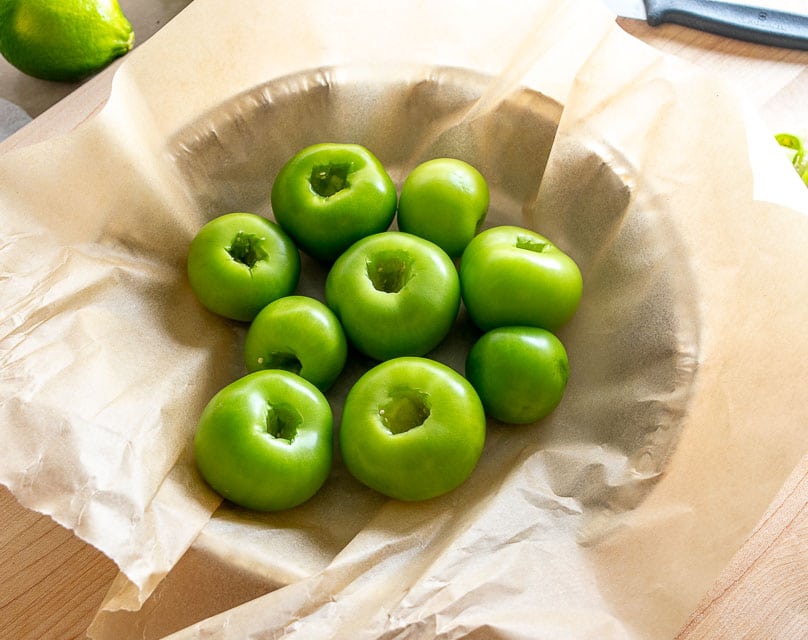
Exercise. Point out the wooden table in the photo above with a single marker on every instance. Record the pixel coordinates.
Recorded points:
(53, 583)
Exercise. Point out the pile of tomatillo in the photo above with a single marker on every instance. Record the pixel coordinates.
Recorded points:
(412, 428)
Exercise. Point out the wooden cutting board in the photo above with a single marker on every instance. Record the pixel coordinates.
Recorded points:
(53, 583)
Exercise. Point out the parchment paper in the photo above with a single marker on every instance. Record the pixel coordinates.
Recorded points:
(611, 519)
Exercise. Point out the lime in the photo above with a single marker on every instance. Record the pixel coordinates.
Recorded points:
(63, 40)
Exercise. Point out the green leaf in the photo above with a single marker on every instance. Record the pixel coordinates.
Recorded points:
(796, 153)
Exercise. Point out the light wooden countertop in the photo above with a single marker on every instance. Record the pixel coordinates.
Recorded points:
(53, 583)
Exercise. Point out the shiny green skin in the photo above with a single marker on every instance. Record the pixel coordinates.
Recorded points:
(411, 321)
(444, 200)
(511, 276)
(427, 460)
(298, 334)
(63, 40)
(520, 373)
(239, 288)
(324, 224)
(245, 463)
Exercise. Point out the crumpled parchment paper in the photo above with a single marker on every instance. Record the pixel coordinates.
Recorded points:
(610, 519)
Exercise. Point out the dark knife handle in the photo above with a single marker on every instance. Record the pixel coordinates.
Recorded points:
(753, 24)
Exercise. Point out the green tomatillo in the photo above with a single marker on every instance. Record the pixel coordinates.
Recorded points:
(512, 276)
(395, 294)
(240, 262)
(298, 334)
(444, 200)
(520, 373)
(330, 195)
(265, 441)
(412, 429)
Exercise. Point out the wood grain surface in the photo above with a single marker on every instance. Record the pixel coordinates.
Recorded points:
(51, 583)
(763, 593)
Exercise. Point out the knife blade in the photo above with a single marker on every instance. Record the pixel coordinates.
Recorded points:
(760, 25)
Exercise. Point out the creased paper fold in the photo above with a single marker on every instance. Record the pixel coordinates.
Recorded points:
(608, 520)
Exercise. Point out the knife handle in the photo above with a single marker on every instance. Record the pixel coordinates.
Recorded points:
(753, 24)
